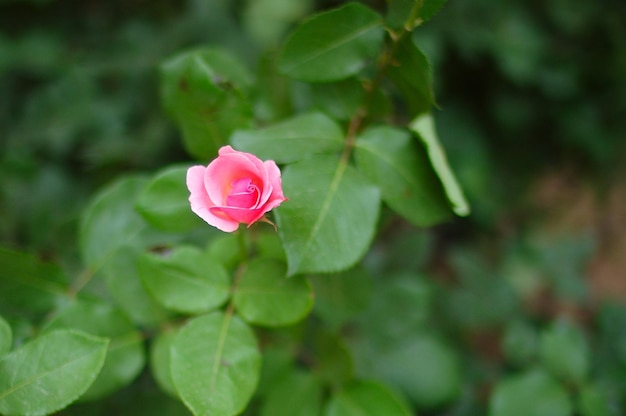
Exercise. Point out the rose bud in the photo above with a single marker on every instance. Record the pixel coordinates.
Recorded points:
(236, 187)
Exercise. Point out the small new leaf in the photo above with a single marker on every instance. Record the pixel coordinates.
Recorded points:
(424, 127)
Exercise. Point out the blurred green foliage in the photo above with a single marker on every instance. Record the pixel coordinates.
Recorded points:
(463, 319)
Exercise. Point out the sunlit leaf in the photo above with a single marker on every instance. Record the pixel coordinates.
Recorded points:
(292, 139)
(185, 279)
(401, 170)
(215, 364)
(333, 45)
(265, 296)
(330, 218)
(424, 127)
(49, 373)
(125, 355)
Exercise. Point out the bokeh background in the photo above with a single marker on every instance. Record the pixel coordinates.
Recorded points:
(532, 98)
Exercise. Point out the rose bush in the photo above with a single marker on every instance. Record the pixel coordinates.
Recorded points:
(236, 187)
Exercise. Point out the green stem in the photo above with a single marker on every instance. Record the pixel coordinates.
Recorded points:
(413, 21)
(386, 57)
(243, 250)
(243, 244)
(80, 282)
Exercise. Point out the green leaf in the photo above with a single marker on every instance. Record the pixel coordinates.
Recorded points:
(225, 247)
(297, 394)
(160, 360)
(340, 99)
(125, 355)
(215, 364)
(140, 400)
(405, 295)
(273, 90)
(278, 363)
(185, 280)
(520, 343)
(164, 203)
(430, 8)
(111, 224)
(593, 401)
(6, 337)
(342, 296)
(267, 20)
(265, 296)
(333, 45)
(411, 74)
(565, 353)
(424, 127)
(202, 91)
(389, 158)
(269, 246)
(112, 235)
(533, 393)
(333, 364)
(293, 139)
(329, 221)
(422, 367)
(29, 287)
(411, 13)
(49, 373)
(366, 398)
(124, 283)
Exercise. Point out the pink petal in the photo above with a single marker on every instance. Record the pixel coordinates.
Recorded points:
(275, 181)
(244, 194)
(201, 203)
(246, 216)
(227, 169)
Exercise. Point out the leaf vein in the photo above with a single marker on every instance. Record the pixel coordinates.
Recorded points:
(220, 348)
(332, 190)
(339, 42)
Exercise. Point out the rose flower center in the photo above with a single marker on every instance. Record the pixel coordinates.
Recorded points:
(243, 194)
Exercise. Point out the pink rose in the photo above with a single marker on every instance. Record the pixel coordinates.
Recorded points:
(237, 187)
